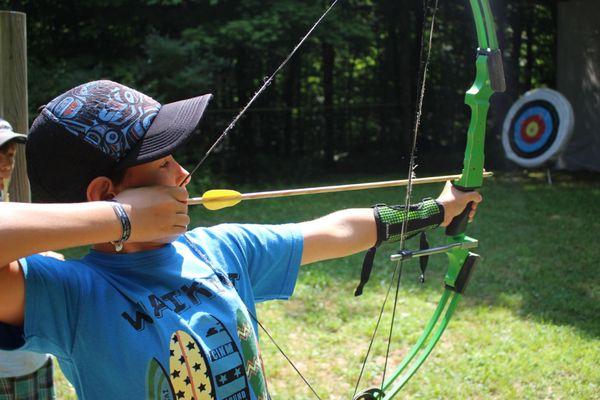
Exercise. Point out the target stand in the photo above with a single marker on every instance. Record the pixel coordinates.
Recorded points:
(537, 129)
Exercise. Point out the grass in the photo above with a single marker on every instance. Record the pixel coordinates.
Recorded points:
(528, 327)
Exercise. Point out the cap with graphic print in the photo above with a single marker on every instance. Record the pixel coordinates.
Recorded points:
(98, 129)
(7, 135)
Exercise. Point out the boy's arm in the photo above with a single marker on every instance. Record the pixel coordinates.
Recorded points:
(27, 229)
(338, 235)
(347, 232)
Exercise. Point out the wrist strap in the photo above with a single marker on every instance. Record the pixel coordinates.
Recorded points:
(125, 225)
(426, 215)
(389, 219)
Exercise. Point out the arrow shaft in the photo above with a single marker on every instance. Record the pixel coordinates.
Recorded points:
(328, 189)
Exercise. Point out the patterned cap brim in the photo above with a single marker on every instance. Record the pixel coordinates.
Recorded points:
(172, 128)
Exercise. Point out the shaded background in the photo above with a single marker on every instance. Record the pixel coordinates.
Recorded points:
(346, 101)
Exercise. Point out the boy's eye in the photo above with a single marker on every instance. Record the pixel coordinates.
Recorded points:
(164, 164)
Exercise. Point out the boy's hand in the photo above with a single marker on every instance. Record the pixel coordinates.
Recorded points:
(156, 212)
(454, 202)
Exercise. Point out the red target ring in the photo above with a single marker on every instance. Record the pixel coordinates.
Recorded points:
(532, 129)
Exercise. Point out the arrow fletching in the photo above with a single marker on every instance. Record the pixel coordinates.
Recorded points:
(218, 199)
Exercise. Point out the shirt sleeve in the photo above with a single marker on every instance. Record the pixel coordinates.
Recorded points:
(269, 255)
(53, 290)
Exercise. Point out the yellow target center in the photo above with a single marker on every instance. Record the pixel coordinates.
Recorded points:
(532, 129)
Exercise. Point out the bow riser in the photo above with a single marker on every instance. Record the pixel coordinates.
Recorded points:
(478, 99)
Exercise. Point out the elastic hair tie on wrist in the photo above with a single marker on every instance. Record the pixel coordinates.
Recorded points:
(125, 225)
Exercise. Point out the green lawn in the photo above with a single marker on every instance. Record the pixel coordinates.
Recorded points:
(528, 327)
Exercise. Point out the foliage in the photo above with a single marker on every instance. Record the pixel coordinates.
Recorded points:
(352, 87)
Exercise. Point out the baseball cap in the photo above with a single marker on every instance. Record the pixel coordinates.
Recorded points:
(98, 129)
(7, 135)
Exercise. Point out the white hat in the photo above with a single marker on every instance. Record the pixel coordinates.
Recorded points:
(7, 134)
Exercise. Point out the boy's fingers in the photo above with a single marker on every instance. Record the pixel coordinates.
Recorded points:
(472, 215)
(475, 197)
(182, 220)
(182, 208)
(180, 193)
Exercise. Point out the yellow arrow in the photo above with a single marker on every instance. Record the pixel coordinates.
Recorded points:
(222, 198)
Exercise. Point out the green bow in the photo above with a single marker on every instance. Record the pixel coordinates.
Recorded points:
(462, 262)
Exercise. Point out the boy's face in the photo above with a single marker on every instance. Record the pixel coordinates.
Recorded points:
(162, 172)
(7, 162)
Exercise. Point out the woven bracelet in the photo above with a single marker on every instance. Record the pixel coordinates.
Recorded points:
(125, 224)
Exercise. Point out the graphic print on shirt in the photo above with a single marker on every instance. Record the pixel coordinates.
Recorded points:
(198, 374)
(190, 373)
(225, 359)
(254, 366)
(158, 382)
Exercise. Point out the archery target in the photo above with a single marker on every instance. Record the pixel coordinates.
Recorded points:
(538, 127)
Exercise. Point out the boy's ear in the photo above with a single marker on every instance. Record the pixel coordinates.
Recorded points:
(101, 189)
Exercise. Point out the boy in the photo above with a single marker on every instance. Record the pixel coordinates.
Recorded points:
(137, 320)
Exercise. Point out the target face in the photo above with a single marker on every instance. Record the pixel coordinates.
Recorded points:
(537, 127)
(534, 129)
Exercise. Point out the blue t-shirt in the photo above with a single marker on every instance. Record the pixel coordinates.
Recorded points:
(172, 323)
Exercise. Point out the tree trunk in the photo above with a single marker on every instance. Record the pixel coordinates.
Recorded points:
(515, 57)
(244, 143)
(500, 103)
(553, 6)
(530, 57)
(290, 101)
(13, 96)
(328, 54)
